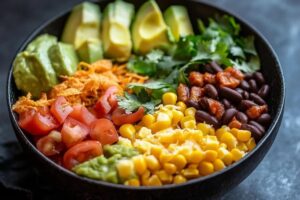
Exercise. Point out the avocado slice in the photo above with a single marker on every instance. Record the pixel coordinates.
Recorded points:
(32, 70)
(63, 59)
(90, 51)
(116, 36)
(177, 18)
(149, 29)
(82, 29)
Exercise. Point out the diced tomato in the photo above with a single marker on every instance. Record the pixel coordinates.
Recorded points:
(235, 123)
(81, 152)
(50, 144)
(82, 114)
(73, 132)
(119, 116)
(255, 111)
(104, 131)
(209, 78)
(60, 109)
(107, 102)
(231, 77)
(216, 108)
(38, 122)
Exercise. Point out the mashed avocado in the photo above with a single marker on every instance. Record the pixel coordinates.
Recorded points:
(37, 68)
(105, 167)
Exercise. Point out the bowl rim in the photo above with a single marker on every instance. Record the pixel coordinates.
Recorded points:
(275, 120)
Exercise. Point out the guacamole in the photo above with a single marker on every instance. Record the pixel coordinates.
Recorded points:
(105, 167)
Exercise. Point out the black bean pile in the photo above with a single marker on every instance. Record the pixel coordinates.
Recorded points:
(228, 97)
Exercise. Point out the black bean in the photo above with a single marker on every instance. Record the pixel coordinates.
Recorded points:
(228, 115)
(257, 99)
(264, 119)
(253, 85)
(216, 67)
(259, 78)
(226, 103)
(211, 91)
(239, 90)
(208, 68)
(203, 103)
(191, 103)
(257, 125)
(202, 116)
(245, 104)
(248, 76)
(257, 134)
(231, 94)
(263, 91)
(245, 85)
(245, 95)
(242, 117)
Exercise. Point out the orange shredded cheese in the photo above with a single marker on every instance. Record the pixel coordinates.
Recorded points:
(85, 86)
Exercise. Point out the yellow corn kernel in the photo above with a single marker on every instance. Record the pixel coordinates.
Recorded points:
(212, 143)
(132, 182)
(191, 111)
(168, 112)
(196, 156)
(186, 118)
(179, 161)
(179, 179)
(148, 120)
(156, 151)
(139, 164)
(222, 152)
(165, 157)
(181, 106)
(143, 133)
(251, 144)
(223, 145)
(127, 131)
(229, 140)
(196, 135)
(125, 142)
(138, 127)
(237, 154)
(163, 121)
(166, 137)
(218, 165)
(154, 181)
(177, 116)
(189, 124)
(164, 176)
(206, 168)
(169, 98)
(234, 131)
(152, 163)
(211, 155)
(170, 168)
(221, 131)
(145, 177)
(242, 146)
(192, 166)
(228, 158)
(190, 173)
(243, 135)
(205, 128)
(125, 169)
(186, 152)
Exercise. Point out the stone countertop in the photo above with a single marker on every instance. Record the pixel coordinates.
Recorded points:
(278, 175)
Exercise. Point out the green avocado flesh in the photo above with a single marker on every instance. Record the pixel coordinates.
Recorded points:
(63, 58)
(82, 30)
(37, 69)
(105, 167)
(149, 31)
(116, 36)
(178, 20)
(33, 71)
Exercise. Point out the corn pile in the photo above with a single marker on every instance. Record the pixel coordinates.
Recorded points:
(174, 148)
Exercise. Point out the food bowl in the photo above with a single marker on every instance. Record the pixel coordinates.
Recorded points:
(207, 187)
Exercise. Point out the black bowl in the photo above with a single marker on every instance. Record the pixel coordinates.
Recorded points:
(206, 187)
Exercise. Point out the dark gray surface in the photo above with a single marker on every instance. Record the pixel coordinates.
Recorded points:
(277, 177)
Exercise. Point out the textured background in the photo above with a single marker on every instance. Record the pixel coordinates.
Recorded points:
(278, 175)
